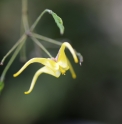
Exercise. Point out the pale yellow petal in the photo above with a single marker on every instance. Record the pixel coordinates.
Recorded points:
(61, 54)
(44, 69)
(71, 69)
(48, 62)
(62, 60)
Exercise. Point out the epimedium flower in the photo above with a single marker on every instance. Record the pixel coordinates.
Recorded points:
(53, 66)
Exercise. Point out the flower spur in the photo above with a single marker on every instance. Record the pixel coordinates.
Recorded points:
(53, 66)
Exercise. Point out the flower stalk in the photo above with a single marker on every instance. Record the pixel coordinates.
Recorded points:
(24, 14)
(11, 61)
(38, 36)
(41, 46)
(13, 48)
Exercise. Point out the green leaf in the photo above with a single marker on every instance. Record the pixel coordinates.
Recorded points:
(58, 21)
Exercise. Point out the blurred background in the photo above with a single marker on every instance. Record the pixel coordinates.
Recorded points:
(94, 28)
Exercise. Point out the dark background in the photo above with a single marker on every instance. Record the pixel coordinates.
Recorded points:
(94, 28)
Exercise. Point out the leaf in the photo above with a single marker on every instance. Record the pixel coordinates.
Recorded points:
(58, 21)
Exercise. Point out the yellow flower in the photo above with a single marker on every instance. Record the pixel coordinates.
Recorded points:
(52, 66)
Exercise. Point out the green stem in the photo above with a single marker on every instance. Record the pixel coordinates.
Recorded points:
(41, 46)
(24, 22)
(38, 19)
(21, 27)
(11, 50)
(11, 61)
(23, 50)
(38, 36)
(23, 57)
(24, 14)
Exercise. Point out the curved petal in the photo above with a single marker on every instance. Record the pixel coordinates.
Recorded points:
(47, 62)
(71, 69)
(62, 60)
(61, 54)
(44, 69)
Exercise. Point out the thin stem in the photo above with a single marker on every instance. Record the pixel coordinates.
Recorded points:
(21, 27)
(24, 14)
(11, 50)
(38, 36)
(38, 19)
(11, 61)
(1, 86)
(41, 46)
(23, 57)
(23, 49)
